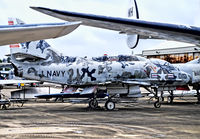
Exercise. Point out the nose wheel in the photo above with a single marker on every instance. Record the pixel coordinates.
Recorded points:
(157, 104)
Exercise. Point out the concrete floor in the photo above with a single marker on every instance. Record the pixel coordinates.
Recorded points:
(64, 120)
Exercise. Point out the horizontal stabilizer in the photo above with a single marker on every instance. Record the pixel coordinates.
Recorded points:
(31, 32)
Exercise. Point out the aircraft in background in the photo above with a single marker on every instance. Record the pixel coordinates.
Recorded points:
(175, 32)
(193, 69)
(31, 32)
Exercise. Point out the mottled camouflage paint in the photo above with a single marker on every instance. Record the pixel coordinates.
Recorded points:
(82, 71)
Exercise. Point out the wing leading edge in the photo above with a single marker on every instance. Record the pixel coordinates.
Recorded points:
(5, 82)
(188, 34)
(33, 32)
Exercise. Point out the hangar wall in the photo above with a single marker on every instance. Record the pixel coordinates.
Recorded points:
(174, 55)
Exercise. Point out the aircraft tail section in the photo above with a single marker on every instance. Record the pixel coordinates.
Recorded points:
(133, 13)
(14, 21)
(32, 49)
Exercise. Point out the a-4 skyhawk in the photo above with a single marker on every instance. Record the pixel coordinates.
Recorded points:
(38, 61)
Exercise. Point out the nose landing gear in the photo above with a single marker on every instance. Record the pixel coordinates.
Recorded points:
(157, 104)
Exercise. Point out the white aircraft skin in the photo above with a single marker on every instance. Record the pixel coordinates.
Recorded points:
(38, 61)
(53, 67)
(192, 68)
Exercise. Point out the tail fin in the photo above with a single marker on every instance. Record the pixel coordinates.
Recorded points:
(14, 21)
(36, 49)
(133, 13)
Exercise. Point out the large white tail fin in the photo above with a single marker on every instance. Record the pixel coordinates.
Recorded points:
(133, 13)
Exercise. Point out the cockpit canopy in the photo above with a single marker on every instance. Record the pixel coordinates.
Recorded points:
(119, 58)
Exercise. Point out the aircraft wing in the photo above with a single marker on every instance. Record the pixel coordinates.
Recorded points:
(188, 34)
(136, 83)
(48, 96)
(4, 82)
(31, 32)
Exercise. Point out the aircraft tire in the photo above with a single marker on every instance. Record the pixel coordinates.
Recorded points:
(93, 103)
(110, 105)
(170, 99)
(157, 104)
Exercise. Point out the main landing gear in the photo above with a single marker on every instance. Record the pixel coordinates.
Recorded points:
(170, 98)
(109, 104)
(93, 103)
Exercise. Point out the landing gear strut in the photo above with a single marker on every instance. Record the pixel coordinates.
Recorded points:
(157, 104)
(198, 96)
(196, 86)
(171, 97)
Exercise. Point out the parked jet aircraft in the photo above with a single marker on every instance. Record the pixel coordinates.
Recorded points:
(38, 61)
(188, 34)
(31, 32)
